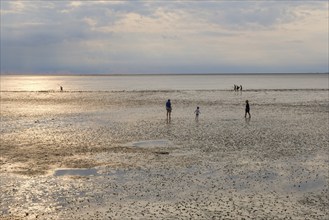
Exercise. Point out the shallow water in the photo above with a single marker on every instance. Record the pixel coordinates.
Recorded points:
(150, 143)
(76, 172)
(98, 155)
(163, 82)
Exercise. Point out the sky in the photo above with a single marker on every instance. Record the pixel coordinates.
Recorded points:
(149, 37)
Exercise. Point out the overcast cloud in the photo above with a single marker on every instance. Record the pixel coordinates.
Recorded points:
(114, 37)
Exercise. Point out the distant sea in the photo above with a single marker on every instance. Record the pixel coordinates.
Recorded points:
(163, 82)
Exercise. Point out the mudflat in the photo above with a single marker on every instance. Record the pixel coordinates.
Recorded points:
(114, 155)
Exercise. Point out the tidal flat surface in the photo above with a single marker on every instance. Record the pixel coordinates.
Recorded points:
(113, 155)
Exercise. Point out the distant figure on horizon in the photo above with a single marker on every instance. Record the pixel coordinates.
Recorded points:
(247, 109)
(168, 108)
(237, 88)
(240, 87)
(197, 113)
(61, 88)
(234, 87)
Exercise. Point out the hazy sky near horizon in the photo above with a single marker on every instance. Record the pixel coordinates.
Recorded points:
(113, 37)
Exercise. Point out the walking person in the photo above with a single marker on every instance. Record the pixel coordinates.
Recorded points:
(197, 113)
(168, 108)
(247, 109)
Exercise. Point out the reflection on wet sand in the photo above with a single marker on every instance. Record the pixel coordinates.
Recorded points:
(104, 155)
(247, 119)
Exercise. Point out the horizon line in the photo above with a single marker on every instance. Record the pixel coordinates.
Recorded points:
(156, 74)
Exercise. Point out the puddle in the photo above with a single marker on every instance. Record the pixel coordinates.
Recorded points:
(76, 172)
(151, 143)
(310, 185)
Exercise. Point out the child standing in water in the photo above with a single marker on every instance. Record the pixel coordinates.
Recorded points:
(197, 112)
(247, 109)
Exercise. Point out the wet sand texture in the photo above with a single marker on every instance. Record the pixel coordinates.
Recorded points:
(113, 155)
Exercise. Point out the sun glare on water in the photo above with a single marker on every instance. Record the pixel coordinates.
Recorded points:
(30, 83)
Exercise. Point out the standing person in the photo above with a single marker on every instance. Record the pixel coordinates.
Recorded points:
(247, 109)
(168, 108)
(197, 113)
(61, 88)
(240, 87)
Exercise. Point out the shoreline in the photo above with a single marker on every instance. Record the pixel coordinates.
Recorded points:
(172, 90)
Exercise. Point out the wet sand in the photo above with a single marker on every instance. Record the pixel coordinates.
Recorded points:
(113, 155)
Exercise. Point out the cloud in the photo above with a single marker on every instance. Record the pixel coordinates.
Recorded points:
(75, 4)
(158, 36)
(90, 21)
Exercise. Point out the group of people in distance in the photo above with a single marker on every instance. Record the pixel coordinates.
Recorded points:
(197, 112)
(237, 88)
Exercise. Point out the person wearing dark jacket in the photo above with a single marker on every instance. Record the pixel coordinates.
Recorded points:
(168, 108)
